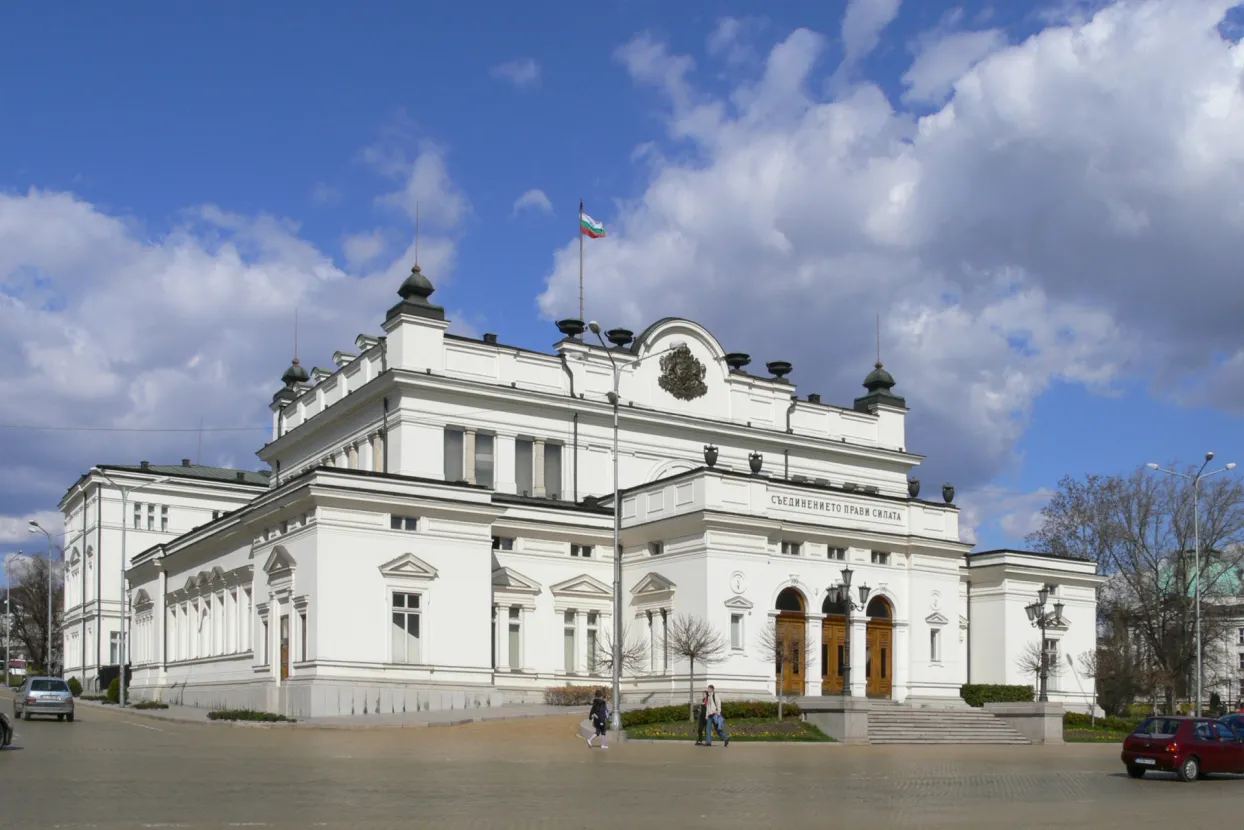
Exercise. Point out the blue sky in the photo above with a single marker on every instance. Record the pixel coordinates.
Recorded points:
(240, 132)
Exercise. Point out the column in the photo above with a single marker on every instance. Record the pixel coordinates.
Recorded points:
(161, 610)
(504, 464)
(525, 616)
(814, 668)
(580, 641)
(665, 639)
(537, 468)
(468, 441)
(503, 637)
(859, 656)
(902, 657)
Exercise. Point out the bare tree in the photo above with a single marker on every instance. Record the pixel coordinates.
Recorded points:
(696, 641)
(30, 611)
(1029, 662)
(1139, 529)
(786, 646)
(632, 657)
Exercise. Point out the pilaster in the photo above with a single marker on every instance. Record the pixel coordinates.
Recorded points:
(468, 463)
(537, 468)
(813, 669)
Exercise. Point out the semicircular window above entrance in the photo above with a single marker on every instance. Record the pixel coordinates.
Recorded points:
(790, 600)
(879, 608)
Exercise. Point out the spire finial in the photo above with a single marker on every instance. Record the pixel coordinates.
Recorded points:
(878, 339)
(295, 334)
(416, 235)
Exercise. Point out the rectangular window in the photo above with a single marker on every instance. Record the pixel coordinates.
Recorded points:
(583, 551)
(265, 640)
(502, 543)
(838, 554)
(935, 645)
(484, 460)
(881, 558)
(790, 548)
(138, 516)
(114, 648)
(1242, 660)
(524, 480)
(455, 446)
(1242, 636)
(656, 548)
(568, 643)
(516, 638)
(164, 519)
(553, 471)
(403, 523)
(405, 628)
(302, 636)
(151, 517)
(736, 632)
(591, 642)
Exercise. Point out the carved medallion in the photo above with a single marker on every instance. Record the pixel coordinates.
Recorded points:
(682, 375)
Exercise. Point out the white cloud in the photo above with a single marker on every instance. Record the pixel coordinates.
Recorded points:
(16, 530)
(533, 199)
(862, 25)
(1078, 186)
(324, 194)
(523, 73)
(364, 248)
(942, 60)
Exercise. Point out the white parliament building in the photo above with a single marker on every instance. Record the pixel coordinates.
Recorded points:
(435, 530)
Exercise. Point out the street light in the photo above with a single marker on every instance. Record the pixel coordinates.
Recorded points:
(125, 496)
(841, 594)
(614, 397)
(36, 528)
(1039, 618)
(8, 612)
(1196, 535)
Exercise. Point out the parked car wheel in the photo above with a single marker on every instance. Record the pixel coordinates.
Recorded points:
(1190, 770)
(1136, 772)
(26, 715)
(69, 717)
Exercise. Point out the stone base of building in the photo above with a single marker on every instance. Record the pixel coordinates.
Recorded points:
(845, 719)
(1041, 723)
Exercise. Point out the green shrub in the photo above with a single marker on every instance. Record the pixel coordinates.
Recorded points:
(15, 681)
(114, 690)
(730, 709)
(150, 704)
(248, 715)
(75, 688)
(978, 694)
(1079, 720)
(573, 695)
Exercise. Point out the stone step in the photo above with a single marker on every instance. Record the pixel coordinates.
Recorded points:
(930, 726)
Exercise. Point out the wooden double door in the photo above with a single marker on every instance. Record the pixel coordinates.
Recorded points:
(878, 656)
(791, 631)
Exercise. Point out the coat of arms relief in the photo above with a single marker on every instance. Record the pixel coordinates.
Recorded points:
(682, 374)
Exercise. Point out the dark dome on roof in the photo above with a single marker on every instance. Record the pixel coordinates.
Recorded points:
(416, 285)
(295, 374)
(879, 380)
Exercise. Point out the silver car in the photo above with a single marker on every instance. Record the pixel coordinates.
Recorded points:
(44, 696)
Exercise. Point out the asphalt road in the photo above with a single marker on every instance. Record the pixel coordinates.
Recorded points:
(113, 769)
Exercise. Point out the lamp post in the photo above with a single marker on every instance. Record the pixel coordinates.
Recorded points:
(8, 613)
(841, 594)
(125, 496)
(1039, 618)
(1196, 548)
(617, 527)
(36, 528)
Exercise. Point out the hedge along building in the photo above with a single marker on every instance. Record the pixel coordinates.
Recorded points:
(438, 530)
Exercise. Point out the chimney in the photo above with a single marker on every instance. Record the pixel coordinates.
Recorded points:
(144, 464)
(241, 476)
(185, 462)
(815, 397)
(490, 338)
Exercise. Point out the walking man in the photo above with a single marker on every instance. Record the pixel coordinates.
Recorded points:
(600, 719)
(716, 723)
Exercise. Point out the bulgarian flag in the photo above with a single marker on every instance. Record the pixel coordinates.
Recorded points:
(589, 226)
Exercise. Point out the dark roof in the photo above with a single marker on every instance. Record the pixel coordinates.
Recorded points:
(198, 471)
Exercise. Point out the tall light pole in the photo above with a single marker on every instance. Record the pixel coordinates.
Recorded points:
(1196, 547)
(618, 645)
(125, 496)
(842, 594)
(8, 613)
(35, 528)
(1042, 620)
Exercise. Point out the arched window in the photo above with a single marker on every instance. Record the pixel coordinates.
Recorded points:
(834, 607)
(790, 600)
(879, 608)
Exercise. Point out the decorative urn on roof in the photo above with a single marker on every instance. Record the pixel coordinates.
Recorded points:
(948, 493)
(756, 461)
(913, 487)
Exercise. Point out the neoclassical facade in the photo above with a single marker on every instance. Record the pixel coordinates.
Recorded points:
(436, 531)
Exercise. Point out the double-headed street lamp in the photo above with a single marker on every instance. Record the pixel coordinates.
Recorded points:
(36, 528)
(1196, 535)
(125, 496)
(614, 397)
(8, 611)
(1039, 618)
(840, 594)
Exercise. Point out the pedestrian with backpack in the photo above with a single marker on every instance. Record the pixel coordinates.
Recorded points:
(716, 722)
(600, 719)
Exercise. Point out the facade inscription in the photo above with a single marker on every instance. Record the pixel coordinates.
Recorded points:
(830, 507)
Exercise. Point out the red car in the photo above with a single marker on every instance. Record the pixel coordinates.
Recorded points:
(1189, 747)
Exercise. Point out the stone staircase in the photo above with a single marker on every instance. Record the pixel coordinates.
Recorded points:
(893, 724)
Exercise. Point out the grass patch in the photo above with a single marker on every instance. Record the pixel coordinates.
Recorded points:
(744, 730)
(149, 704)
(1093, 736)
(248, 715)
(98, 699)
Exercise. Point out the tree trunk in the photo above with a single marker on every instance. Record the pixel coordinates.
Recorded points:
(691, 693)
(778, 684)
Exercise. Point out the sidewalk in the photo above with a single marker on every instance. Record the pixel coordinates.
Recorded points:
(399, 720)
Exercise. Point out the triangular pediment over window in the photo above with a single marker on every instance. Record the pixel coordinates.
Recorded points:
(408, 566)
(936, 618)
(142, 598)
(740, 603)
(511, 581)
(279, 560)
(583, 586)
(653, 583)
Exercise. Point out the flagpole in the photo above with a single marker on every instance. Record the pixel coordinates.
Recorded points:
(580, 232)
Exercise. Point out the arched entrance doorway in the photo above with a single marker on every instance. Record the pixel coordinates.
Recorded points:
(791, 628)
(879, 648)
(833, 646)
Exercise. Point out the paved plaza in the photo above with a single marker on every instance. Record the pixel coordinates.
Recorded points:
(114, 769)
